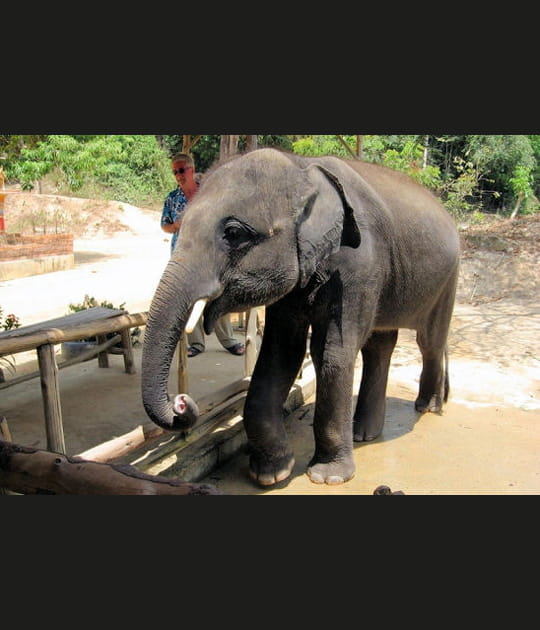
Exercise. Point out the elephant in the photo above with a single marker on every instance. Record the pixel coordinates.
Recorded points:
(341, 252)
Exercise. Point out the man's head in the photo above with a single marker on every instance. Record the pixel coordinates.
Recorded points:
(183, 169)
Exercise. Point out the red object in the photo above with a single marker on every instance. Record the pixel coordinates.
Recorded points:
(2, 224)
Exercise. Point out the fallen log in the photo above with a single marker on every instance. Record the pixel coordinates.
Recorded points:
(34, 471)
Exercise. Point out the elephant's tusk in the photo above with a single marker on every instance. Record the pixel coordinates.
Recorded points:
(196, 312)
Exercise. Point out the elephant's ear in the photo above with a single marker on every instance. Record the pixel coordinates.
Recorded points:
(326, 223)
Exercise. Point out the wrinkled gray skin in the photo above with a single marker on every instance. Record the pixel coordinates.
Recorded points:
(354, 250)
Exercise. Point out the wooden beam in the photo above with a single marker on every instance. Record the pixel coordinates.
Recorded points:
(11, 344)
(90, 353)
(123, 444)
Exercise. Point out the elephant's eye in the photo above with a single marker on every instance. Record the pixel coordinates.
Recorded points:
(238, 234)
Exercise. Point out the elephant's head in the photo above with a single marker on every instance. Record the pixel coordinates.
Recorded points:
(256, 230)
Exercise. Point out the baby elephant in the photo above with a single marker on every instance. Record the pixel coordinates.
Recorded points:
(352, 249)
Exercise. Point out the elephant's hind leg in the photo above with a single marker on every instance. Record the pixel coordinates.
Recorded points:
(371, 404)
(432, 341)
(434, 382)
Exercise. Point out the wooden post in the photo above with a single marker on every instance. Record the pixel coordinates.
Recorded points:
(103, 359)
(182, 374)
(50, 391)
(127, 347)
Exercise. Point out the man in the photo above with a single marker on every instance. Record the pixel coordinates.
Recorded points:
(183, 168)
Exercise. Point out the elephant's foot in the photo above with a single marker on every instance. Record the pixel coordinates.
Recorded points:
(270, 472)
(331, 473)
(366, 431)
(433, 404)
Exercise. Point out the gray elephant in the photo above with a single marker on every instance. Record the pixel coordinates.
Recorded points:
(352, 249)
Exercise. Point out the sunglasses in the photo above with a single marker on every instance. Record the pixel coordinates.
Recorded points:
(181, 170)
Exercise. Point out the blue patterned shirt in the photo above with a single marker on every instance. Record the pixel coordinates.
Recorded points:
(173, 209)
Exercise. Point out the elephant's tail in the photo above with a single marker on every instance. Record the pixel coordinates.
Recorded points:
(446, 375)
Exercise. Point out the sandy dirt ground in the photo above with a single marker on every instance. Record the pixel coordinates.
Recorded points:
(487, 440)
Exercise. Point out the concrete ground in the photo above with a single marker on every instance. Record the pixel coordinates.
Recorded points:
(487, 440)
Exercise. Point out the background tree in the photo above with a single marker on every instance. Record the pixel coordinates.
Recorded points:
(129, 168)
(495, 174)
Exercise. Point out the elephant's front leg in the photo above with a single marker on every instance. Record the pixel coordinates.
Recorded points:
(280, 358)
(333, 461)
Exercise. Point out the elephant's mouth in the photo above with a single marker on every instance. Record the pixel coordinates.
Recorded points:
(211, 315)
(216, 309)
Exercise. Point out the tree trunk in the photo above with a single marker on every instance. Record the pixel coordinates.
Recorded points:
(516, 208)
(228, 146)
(251, 143)
(161, 142)
(426, 151)
(360, 147)
(31, 471)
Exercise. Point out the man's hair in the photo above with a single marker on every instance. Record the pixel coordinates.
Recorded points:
(177, 157)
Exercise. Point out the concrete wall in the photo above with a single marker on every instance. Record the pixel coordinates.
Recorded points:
(22, 256)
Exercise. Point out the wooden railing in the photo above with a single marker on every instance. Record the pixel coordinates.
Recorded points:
(147, 444)
(94, 322)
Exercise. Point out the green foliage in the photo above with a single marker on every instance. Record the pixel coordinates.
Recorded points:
(503, 170)
(535, 145)
(409, 160)
(522, 186)
(496, 159)
(206, 149)
(521, 181)
(91, 302)
(458, 193)
(324, 145)
(401, 153)
(468, 172)
(129, 168)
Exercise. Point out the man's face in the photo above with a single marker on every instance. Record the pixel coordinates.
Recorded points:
(182, 172)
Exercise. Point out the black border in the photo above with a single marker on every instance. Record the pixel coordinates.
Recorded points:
(157, 104)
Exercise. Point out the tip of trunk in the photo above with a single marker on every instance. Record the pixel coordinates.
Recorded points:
(181, 415)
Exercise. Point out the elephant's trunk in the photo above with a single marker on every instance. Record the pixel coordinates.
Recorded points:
(167, 317)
